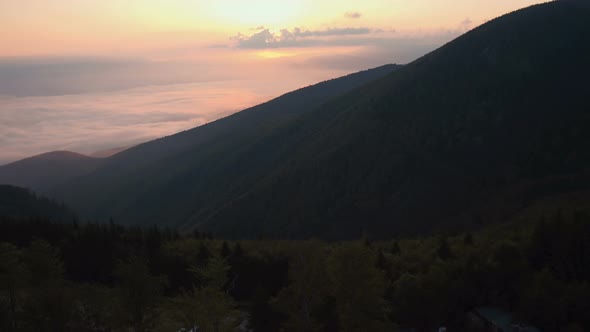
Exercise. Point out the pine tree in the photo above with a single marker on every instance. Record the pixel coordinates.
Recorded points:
(225, 250)
(444, 250)
(395, 249)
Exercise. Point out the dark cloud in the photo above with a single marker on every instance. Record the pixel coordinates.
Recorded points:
(353, 15)
(296, 37)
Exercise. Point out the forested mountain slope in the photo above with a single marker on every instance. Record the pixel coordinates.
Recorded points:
(18, 202)
(471, 133)
(165, 180)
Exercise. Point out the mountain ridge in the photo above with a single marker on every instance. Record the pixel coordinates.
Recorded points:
(167, 160)
(30, 172)
(430, 144)
(484, 123)
(41, 172)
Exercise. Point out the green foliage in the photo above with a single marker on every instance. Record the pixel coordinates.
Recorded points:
(44, 262)
(357, 288)
(214, 274)
(395, 249)
(225, 250)
(475, 132)
(543, 301)
(96, 309)
(13, 276)
(138, 294)
(207, 307)
(307, 289)
(538, 271)
(49, 303)
(468, 239)
(22, 203)
(444, 251)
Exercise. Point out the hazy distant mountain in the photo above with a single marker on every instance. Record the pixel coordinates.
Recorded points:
(474, 132)
(44, 171)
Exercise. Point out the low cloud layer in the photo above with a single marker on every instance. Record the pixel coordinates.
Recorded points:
(91, 122)
(38, 121)
(96, 103)
(353, 15)
(296, 37)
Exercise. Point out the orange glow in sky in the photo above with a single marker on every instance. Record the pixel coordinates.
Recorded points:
(90, 75)
(40, 27)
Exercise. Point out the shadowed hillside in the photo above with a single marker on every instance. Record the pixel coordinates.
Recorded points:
(20, 203)
(185, 168)
(108, 153)
(46, 170)
(468, 134)
(492, 121)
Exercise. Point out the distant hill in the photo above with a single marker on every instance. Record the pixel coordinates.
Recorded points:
(474, 132)
(20, 202)
(44, 171)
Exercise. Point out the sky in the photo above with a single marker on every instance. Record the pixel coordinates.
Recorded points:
(91, 75)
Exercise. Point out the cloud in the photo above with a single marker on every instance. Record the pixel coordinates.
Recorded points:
(94, 103)
(51, 76)
(465, 24)
(90, 122)
(353, 15)
(296, 37)
(85, 122)
(219, 45)
(332, 32)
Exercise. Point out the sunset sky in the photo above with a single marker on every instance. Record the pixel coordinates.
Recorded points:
(87, 75)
